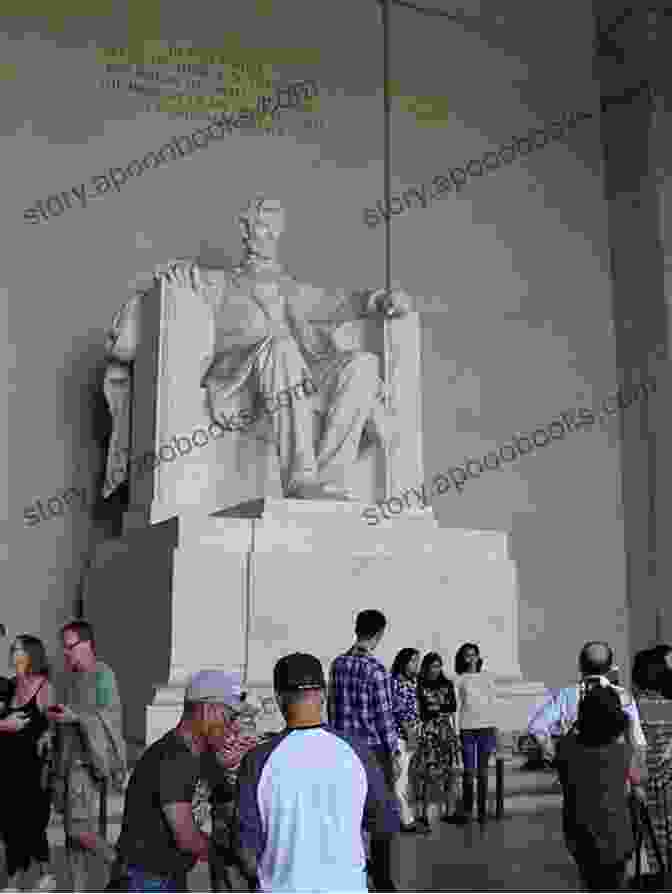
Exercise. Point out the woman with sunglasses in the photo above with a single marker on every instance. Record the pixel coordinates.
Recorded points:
(25, 802)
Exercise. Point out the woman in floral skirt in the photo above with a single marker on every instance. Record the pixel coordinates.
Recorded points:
(437, 757)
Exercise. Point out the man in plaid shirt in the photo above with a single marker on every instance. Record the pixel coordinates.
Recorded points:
(360, 704)
(360, 695)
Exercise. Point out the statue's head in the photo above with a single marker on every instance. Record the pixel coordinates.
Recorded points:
(261, 222)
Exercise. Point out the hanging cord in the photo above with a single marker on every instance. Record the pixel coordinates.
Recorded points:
(247, 604)
(387, 186)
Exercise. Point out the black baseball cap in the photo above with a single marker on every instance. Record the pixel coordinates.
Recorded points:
(298, 671)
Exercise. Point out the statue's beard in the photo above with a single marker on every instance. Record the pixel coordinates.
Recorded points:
(258, 256)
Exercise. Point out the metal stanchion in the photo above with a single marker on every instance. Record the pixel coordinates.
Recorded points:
(102, 817)
(499, 788)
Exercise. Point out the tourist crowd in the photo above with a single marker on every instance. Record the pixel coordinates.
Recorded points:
(317, 806)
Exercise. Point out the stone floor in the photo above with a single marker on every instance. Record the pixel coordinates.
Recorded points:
(523, 852)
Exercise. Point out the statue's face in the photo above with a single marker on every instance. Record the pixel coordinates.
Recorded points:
(262, 231)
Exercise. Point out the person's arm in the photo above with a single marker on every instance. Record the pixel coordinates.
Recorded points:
(459, 706)
(14, 724)
(383, 712)
(546, 721)
(247, 833)
(637, 773)
(450, 699)
(331, 697)
(187, 836)
(46, 696)
(635, 733)
(382, 820)
(398, 707)
(178, 776)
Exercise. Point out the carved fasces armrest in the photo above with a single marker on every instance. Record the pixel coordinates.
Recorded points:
(123, 337)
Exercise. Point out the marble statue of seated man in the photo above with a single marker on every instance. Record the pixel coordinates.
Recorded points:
(266, 343)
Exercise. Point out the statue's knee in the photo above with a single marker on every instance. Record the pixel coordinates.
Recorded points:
(287, 348)
(364, 365)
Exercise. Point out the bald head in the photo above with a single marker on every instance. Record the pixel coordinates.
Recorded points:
(595, 659)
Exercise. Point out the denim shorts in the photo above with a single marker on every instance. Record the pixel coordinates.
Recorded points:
(477, 746)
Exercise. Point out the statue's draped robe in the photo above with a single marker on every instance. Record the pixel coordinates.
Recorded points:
(265, 337)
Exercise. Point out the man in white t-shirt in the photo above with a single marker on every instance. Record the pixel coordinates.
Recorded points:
(306, 795)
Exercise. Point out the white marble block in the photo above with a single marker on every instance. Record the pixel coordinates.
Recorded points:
(239, 591)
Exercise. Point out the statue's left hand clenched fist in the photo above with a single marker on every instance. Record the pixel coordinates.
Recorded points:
(393, 304)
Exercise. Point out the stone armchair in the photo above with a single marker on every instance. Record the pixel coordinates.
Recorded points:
(160, 348)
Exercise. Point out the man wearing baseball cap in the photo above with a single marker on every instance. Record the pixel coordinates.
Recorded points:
(305, 795)
(160, 842)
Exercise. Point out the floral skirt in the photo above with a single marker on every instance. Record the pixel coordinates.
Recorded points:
(437, 754)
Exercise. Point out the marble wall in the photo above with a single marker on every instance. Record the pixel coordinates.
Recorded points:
(511, 273)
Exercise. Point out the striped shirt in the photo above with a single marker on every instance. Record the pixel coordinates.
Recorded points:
(360, 699)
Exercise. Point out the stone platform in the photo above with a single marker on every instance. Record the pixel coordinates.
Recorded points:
(239, 592)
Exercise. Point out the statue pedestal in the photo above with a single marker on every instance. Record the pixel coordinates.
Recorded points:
(239, 588)
(238, 593)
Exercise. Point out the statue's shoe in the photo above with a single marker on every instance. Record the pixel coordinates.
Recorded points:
(312, 490)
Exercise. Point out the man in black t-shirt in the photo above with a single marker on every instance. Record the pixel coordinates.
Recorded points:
(160, 842)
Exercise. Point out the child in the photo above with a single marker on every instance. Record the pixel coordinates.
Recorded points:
(598, 769)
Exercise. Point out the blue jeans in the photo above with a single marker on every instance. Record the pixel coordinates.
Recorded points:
(139, 880)
(477, 746)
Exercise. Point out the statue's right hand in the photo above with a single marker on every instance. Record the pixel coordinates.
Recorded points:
(183, 274)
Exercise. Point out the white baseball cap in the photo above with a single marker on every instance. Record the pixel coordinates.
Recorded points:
(216, 686)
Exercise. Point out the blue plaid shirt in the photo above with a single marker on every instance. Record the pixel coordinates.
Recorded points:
(360, 699)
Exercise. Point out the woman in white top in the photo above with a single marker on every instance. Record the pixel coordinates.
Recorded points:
(476, 722)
